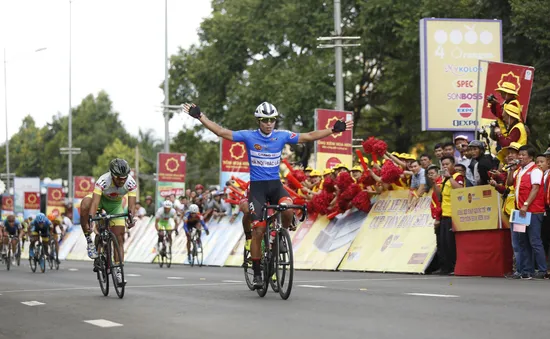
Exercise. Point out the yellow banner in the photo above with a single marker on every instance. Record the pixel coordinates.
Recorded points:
(329, 160)
(475, 208)
(320, 244)
(450, 50)
(394, 237)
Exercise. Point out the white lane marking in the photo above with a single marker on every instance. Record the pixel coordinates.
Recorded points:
(202, 279)
(32, 303)
(312, 286)
(73, 269)
(232, 281)
(432, 295)
(133, 275)
(103, 323)
(175, 278)
(375, 279)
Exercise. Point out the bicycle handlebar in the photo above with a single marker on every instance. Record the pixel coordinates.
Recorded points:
(109, 216)
(284, 207)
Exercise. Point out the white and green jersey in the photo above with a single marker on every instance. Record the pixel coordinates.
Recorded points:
(164, 218)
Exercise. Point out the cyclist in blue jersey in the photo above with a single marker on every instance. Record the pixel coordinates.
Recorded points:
(40, 227)
(264, 147)
(12, 227)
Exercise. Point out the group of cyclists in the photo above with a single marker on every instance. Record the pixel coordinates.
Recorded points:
(264, 148)
(14, 231)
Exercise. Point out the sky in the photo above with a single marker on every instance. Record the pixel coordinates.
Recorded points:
(117, 46)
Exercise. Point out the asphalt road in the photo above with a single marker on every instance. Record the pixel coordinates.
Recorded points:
(213, 302)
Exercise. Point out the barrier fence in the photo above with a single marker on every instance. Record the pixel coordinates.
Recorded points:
(389, 239)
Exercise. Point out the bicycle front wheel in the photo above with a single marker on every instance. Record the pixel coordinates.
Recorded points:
(8, 257)
(18, 254)
(50, 255)
(169, 256)
(101, 265)
(248, 273)
(116, 253)
(199, 253)
(284, 263)
(42, 259)
(193, 252)
(32, 260)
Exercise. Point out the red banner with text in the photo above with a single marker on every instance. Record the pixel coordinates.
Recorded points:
(83, 186)
(234, 157)
(171, 167)
(55, 202)
(336, 148)
(518, 79)
(32, 201)
(7, 205)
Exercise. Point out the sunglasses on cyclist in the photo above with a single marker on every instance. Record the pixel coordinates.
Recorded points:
(268, 120)
(120, 178)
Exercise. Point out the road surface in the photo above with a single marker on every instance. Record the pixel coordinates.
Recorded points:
(213, 302)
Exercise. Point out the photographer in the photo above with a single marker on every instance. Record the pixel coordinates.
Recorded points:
(508, 94)
(483, 162)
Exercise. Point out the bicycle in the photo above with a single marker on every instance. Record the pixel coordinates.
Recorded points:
(165, 252)
(196, 248)
(38, 257)
(108, 251)
(278, 256)
(52, 257)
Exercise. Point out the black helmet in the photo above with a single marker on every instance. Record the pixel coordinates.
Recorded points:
(119, 167)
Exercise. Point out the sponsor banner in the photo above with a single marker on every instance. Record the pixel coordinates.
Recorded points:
(339, 143)
(234, 158)
(450, 50)
(83, 186)
(171, 167)
(475, 208)
(20, 186)
(71, 237)
(521, 77)
(165, 189)
(55, 201)
(329, 160)
(31, 205)
(320, 244)
(141, 245)
(7, 206)
(394, 238)
(221, 241)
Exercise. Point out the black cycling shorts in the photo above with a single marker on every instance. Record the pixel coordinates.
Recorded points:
(262, 192)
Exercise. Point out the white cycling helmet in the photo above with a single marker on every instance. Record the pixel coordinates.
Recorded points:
(194, 208)
(167, 204)
(266, 110)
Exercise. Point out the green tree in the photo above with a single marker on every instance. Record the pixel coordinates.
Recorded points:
(26, 150)
(118, 150)
(203, 157)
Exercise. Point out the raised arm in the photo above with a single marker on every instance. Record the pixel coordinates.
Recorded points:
(196, 113)
(339, 127)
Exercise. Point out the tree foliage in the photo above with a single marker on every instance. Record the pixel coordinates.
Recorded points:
(242, 60)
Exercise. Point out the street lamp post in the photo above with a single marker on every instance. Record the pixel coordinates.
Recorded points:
(166, 99)
(6, 111)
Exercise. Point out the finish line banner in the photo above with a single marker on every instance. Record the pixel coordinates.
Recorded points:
(233, 161)
(336, 148)
(170, 175)
(394, 238)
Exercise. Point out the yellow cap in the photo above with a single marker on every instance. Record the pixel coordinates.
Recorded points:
(308, 169)
(327, 171)
(503, 153)
(357, 168)
(513, 111)
(508, 87)
(315, 173)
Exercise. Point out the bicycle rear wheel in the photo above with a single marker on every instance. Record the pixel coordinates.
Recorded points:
(101, 264)
(55, 257)
(115, 248)
(8, 256)
(248, 273)
(199, 252)
(284, 263)
(32, 259)
(18, 254)
(193, 251)
(160, 257)
(42, 259)
(169, 256)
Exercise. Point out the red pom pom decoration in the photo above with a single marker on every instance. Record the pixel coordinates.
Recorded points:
(390, 172)
(320, 202)
(344, 180)
(362, 202)
(300, 175)
(379, 148)
(367, 180)
(329, 185)
(368, 145)
(350, 192)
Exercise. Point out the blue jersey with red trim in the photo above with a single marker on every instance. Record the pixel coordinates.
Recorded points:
(264, 151)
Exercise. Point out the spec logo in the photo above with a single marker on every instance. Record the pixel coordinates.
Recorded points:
(464, 84)
(465, 110)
